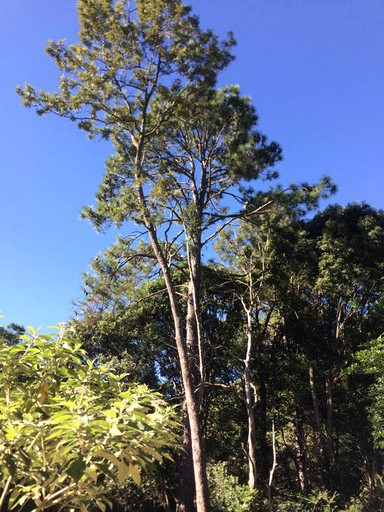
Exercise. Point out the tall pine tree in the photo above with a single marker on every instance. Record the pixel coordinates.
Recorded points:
(143, 75)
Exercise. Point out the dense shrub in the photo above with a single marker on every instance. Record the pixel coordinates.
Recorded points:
(69, 426)
(227, 494)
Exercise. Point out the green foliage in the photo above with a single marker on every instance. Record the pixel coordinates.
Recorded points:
(143, 75)
(316, 501)
(227, 494)
(350, 242)
(321, 501)
(153, 495)
(370, 361)
(69, 426)
(147, 82)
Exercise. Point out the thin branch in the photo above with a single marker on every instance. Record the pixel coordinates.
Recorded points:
(5, 492)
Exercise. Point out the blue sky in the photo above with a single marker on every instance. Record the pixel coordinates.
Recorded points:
(315, 72)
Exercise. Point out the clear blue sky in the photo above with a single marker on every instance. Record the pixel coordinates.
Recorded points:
(314, 69)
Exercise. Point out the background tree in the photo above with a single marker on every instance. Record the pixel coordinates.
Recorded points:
(296, 336)
(12, 333)
(247, 250)
(330, 293)
(186, 155)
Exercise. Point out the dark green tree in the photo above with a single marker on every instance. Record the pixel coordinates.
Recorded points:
(247, 250)
(12, 333)
(333, 266)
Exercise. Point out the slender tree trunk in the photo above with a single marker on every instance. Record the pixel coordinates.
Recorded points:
(193, 324)
(262, 418)
(191, 400)
(186, 501)
(192, 405)
(4, 495)
(370, 469)
(250, 403)
(193, 340)
(187, 479)
(319, 426)
(329, 397)
(272, 470)
(198, 456)
(315, 402)
(300, 459)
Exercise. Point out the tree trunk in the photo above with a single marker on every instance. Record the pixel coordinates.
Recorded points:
(193, 340)
(191, 400)
(329, 441)
(250, 403)
(186, 502)
(192, 405)
(262, 419)
(198, 456)
(319, 425)
(300, 459)
(187, 479)
(272, 470)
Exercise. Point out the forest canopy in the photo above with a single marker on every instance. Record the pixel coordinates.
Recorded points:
(236, 298)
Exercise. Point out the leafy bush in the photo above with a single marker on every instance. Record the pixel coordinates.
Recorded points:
(227, 494)
(69, 426)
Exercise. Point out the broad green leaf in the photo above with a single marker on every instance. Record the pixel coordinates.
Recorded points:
(42, 393)
(77, 468)
(135, 473)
